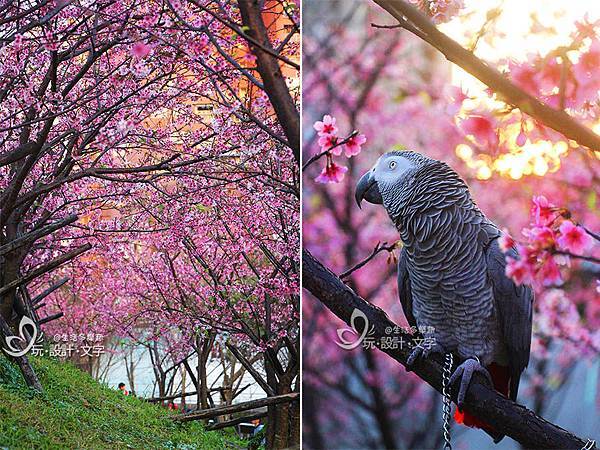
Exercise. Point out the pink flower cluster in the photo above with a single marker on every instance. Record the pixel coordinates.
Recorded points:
(140, 49)
(331, 144)
(551, 240)
(544, 75)
(483, 130)
(332, 173)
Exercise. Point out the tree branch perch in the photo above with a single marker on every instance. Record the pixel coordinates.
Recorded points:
(506, 416)
(512, 94)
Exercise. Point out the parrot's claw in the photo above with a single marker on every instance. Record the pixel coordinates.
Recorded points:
(420, 352)
(465, 372)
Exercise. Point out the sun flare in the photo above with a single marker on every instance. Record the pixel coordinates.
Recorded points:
(512, 39)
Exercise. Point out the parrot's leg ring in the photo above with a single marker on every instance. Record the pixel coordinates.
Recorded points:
(465, 372)
(422, 352)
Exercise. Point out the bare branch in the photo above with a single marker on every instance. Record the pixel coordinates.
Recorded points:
(45, 268)
(36, 234)
(378, 248)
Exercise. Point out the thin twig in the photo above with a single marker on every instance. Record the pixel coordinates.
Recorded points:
(386, 27)
(591, 233)
(378, 249)
(323, 153)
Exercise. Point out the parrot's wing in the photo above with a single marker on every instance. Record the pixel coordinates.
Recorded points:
(515, 308)
(404, 291)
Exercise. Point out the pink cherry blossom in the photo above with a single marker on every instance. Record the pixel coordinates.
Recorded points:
(519, 271)
(525, 76)
(590, 60)
(506, 242)
(327, 126)
(549, 273)
(249, 57)
(332, 173)
(541, 237)
(353, 145)
(329, 142)
(51, 43)
(140, 49)
(542, 210)
(573, 238)
(521, 138)
(440, 10)
(551, 74)
(444, 10)
(482, 129)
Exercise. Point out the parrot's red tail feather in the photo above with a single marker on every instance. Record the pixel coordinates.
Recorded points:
(470, 420)
(501, 378)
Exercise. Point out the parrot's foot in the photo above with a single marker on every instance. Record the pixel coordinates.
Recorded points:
(465, 372)
(420, 352)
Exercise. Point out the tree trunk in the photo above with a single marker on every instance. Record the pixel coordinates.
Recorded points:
(202, 384)
(203, 348)
(295, 418)
(271, 410)
(280, 430)
(183, 382)
(130, 367)
(159, 374)
(282, 425)
(271, 74)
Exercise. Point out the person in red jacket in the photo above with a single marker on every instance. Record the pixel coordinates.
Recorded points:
(122, 389)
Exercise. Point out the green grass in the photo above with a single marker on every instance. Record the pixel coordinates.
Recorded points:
(77, 412)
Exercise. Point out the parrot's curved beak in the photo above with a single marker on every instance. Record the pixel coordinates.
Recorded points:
(368, 190)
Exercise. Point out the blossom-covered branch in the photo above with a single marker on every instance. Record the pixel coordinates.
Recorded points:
(332, 145)
(556, 119)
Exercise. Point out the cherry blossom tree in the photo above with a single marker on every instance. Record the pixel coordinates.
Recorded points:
(150, 180)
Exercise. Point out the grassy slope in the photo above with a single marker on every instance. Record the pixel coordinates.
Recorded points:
(77, 412)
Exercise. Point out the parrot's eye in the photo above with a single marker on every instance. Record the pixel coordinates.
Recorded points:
(392, 165)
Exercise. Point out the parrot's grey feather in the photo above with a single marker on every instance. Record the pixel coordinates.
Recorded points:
(444, 260)
(404, 291)
(515, 310)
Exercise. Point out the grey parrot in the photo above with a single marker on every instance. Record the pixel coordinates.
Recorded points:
(451, 273)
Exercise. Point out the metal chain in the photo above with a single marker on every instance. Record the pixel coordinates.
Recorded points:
(447, 399)
(447, 405)
(590, 444)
